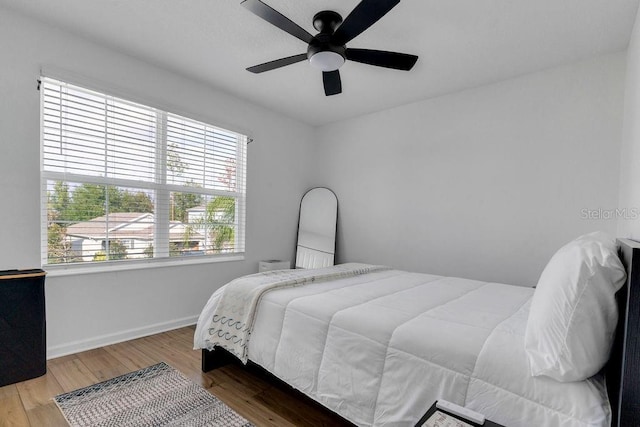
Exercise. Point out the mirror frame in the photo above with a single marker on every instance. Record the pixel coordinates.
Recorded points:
(300, 217)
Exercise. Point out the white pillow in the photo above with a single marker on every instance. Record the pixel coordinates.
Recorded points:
(573, 313)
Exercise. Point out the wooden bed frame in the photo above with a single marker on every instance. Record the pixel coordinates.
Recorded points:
(623, 370)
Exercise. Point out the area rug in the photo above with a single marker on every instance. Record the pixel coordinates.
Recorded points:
(155, 396)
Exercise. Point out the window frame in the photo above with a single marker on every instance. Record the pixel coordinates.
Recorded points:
(160, 188)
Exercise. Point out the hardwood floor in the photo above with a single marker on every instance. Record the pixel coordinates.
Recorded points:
(264, 403)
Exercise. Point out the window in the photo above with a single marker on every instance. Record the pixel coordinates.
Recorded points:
(123, 182)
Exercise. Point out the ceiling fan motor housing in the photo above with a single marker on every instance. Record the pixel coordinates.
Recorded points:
(322, 44)
(322, 53)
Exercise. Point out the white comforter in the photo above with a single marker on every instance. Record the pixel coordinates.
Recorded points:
(380, 348)
(236, 308)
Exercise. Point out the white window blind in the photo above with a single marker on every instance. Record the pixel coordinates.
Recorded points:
(123, 181)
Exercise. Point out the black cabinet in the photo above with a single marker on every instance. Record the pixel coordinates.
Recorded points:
(23, 353)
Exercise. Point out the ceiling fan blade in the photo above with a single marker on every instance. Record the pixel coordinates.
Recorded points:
(272, 65)
(276, 18)
(365, 14)
(382, 58)
(332, 82)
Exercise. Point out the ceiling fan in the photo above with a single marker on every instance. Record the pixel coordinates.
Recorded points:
(327, 50)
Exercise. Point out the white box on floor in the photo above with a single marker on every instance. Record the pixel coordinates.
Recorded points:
(273, 264)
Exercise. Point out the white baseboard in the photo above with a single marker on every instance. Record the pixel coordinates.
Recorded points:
(117, 337)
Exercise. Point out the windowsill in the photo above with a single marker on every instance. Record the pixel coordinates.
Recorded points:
(105, 267)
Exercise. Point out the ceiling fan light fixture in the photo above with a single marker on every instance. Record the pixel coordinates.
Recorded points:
(327, 60)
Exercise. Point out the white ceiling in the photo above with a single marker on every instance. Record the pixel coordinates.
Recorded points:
(461, 44)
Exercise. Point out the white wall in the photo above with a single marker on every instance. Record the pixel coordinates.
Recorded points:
(88, 310)
(630, 153)
(486, 183)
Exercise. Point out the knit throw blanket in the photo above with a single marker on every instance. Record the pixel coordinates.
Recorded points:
(233, 318)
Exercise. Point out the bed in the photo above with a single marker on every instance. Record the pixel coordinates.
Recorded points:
(379, 348)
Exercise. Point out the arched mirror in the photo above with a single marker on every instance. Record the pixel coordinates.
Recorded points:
(317, 229)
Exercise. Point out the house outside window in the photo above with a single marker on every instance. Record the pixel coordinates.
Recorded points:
(124, 182)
